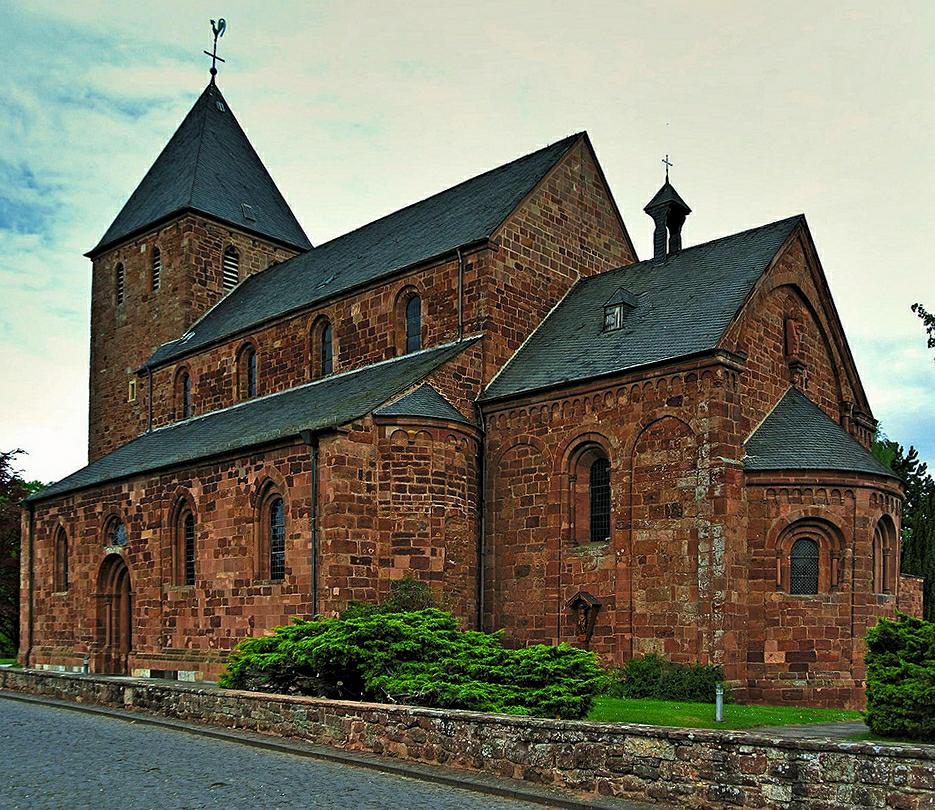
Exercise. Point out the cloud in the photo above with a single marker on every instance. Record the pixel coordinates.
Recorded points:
(359, 108)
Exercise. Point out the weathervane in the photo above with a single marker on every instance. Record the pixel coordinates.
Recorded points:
(218, 28)
(664, 160)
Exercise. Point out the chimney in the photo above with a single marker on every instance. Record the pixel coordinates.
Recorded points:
(668, 211)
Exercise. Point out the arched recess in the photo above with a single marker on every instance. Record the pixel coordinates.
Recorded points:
(794, 562)
(885, 556)
(60, 560)
(409, 320)
(270, 528)
(114, 600)
(182, 393)
(321, 348)
(587, 502)
(183, 549)
(665, 542)
(518, 549)
(247, 371)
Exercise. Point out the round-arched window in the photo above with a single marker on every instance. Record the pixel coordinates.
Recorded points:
(803, 566)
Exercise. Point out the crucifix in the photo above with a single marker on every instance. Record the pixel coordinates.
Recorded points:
(218, 28)
(664, 160)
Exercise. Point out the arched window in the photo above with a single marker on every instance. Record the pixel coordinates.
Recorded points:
(183, 395)
(326, 349)
(247, 372)
(230, 269)
(120, 282)
(599, 485)
(115, 533)
(277, 539)
(61, 560)
(589, 494)
(185, 544)
(885, 556)
(879, 561)
(413, 324)
(803, 566)
(157, 269)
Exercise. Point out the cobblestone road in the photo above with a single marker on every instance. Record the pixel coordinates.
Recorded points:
(55, 758)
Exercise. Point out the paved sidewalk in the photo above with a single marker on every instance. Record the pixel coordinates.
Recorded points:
(841, 730)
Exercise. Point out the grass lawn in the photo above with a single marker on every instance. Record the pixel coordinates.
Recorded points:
(9, 661)
(701, 715)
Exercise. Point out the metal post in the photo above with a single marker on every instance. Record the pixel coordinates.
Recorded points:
(719, 703)
(86, 664)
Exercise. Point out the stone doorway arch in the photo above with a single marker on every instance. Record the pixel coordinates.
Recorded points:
(114, 616)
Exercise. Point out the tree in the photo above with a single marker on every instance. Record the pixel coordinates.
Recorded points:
(13, 489)
(928, 319)
(918, 535)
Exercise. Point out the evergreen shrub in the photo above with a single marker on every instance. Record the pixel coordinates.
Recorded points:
(653, 677)
(417, 657)
(900, 662)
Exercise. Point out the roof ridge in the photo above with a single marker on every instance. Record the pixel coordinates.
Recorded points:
(691, 248)
(466, 341)
(769, 413)
(467, 180)
(201, 140)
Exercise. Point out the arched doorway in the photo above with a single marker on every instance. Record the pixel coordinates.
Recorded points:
(114, 616)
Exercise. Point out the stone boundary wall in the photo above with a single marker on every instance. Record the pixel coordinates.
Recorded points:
(694, 768)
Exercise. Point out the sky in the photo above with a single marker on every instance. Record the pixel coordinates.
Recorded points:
(359, 108)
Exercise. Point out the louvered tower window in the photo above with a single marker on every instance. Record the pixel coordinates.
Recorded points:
(600, 500)
(157, 268)
(803, 566)
(230, 269)
(120, 282)
(277, 539)
(188, 529)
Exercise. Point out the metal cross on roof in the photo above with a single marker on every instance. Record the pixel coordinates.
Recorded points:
(218, 28)
(668, 164)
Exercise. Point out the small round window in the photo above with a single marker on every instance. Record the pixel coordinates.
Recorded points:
(116, 533)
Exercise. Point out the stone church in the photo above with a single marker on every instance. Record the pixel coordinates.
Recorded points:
(486, 390)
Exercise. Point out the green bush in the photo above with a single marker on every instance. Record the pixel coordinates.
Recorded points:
(653, 677)
(406, 594)
(901, 678)
(420, 657)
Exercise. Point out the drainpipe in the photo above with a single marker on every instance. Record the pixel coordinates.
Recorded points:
(30, 550)
(482, 509)
(149, 427)
(311, 439)
(460, 295)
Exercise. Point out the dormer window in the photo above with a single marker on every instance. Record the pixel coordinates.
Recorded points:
(613, 317)
(616, 308)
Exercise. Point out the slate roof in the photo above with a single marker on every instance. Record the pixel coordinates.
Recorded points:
(684, 304)
(667, 194)
(210, 167)
(463, 215)
(423, 401)
(798, 435)
(316, 406)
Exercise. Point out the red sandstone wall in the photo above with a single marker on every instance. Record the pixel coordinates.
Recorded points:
(809, 648)
(671, 576)
(174, 627)
(788, 289)
(910, 594)
(123, 336)
(566, 229)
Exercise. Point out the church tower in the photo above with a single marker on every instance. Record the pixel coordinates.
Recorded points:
(205, 216)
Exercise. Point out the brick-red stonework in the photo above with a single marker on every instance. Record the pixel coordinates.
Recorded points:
(494, 516)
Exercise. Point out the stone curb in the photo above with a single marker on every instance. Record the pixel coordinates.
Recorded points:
(477, 783)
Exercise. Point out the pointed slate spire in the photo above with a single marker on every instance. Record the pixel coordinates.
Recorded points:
(208, 167)
(668, 211)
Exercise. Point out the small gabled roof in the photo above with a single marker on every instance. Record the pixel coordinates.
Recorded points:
(460, 216)
(317, 406)
(210, 167)
(684, 304)
(798, 435)
(426, 402)
(667, 195)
